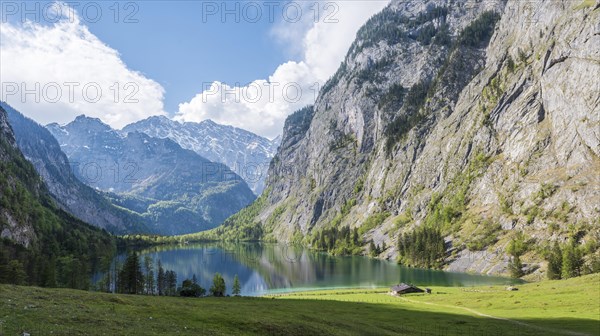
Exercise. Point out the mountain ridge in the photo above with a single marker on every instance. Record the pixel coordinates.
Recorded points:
(242, 151)
(175, 189)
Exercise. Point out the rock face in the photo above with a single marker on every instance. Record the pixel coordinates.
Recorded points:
(244, 152)
(44, 152)
(175, 189)
(478, 118)
(14, 225)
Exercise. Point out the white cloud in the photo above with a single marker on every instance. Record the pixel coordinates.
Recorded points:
(323, 46)
(54, 55)
(260, 106)
(42, 56)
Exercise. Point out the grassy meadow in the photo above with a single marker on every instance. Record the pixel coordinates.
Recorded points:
(567, 307)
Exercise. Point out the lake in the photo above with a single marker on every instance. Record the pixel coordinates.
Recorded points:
(275, 268)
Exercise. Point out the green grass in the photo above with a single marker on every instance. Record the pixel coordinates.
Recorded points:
(568, 307)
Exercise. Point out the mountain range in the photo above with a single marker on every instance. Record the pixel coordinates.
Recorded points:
(176, 190)
(129, 181)
(244, 152)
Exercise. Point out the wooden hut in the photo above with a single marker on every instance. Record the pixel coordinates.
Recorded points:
(405, 289)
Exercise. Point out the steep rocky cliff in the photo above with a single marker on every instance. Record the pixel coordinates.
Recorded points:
(477, 119)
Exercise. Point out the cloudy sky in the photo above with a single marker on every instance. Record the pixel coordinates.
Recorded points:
(247, 64)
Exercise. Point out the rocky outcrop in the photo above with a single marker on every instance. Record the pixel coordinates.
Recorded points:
(480, 119)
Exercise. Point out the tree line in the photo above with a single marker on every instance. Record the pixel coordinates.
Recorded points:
(564, 260)
(567, 261)
(423, 247)
(344, 241)
(137, 276)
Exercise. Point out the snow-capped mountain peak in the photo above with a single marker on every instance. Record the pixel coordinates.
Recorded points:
(246, 153)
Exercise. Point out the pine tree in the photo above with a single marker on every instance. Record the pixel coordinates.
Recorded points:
(104, 284)
(594, 264)
(160, 279)
(16, 273)
(218, 288)
(516, 267)
(372, 249)
(355, 237)
(554, 259)
(171, 283)
(237, 288)
(131, 277)
(148, 266)
(150, 285)
(116, 280)
(49, 273)
(572, 260)
(3, 265)
(322, 243)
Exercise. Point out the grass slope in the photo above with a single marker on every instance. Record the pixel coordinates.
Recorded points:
(569, 307)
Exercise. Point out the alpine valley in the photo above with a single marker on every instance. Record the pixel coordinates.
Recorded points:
(446, 179)
(44, 152)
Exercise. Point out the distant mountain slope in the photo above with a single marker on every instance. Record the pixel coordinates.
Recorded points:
(244, 152)
(175, 189)
(43, 151)
(41, 244)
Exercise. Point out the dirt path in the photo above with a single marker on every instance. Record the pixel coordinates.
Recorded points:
(472, 311)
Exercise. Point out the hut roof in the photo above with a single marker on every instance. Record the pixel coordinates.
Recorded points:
(404, 287)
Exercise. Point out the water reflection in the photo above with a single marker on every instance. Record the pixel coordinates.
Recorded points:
(268, 268)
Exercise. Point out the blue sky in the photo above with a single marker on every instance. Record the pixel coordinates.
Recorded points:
(182, 59)
(173, 45)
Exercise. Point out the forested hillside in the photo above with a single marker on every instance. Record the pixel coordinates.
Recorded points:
(40, 243)
(72, 195)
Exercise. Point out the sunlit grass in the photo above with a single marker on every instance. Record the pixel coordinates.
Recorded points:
(546, 308)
